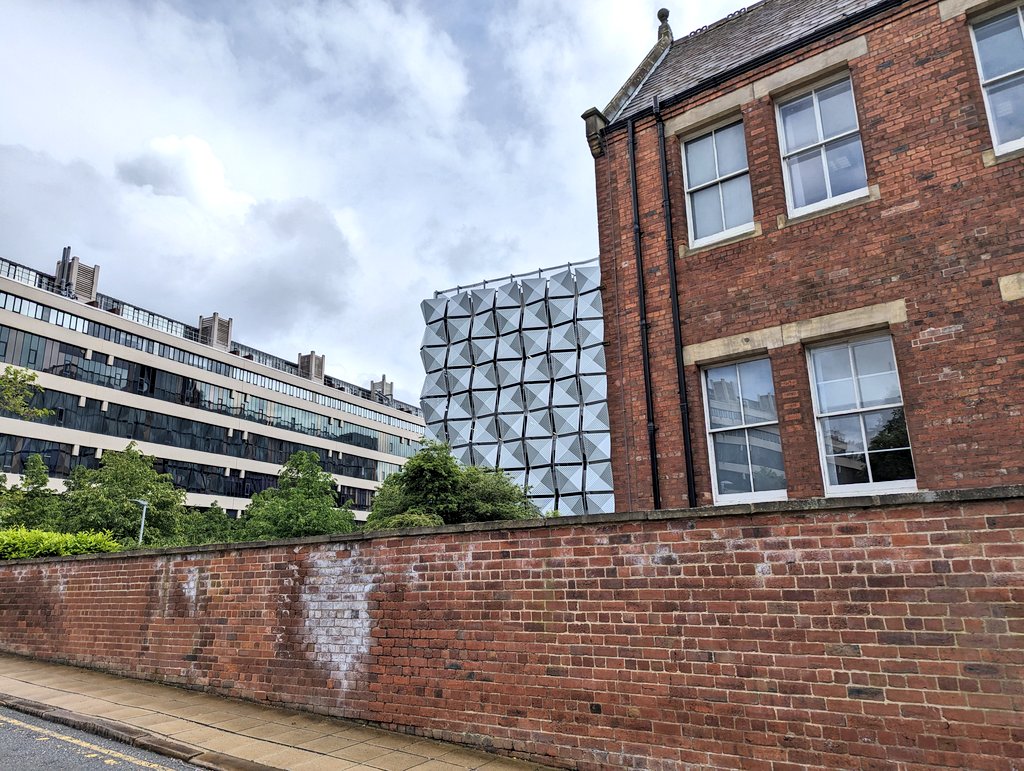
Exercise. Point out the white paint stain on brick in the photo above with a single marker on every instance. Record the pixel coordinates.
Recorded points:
(335, 613)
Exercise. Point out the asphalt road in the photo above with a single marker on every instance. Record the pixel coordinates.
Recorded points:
(31, 744)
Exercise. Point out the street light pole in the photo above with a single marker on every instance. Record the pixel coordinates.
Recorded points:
(142, 525)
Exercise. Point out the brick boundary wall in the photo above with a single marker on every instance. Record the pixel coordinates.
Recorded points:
(869, 633)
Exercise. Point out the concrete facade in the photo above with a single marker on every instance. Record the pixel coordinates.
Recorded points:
(221, 419)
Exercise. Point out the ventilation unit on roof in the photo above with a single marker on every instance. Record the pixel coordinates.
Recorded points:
(75, 280)
(215, 331)
(311, 366)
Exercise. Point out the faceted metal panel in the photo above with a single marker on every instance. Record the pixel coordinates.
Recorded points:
(589, 332)
(508, 295)
(460, 354)
(459, 379)
(535, 316)
(509, 319)
(433, 358)
(534, 289)
(560, 309)
(460, 305)
(588, 279)
(435, 384)
(485, 454)
(563, 338)
(434, 309)
(563, 364)
(516, 379)
(435, 334)
(562, 284)
(485, 377)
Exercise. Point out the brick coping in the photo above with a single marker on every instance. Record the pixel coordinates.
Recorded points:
(798, 506)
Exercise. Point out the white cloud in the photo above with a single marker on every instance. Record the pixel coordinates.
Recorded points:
(311, 169)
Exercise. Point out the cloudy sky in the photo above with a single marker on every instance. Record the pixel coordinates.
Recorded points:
(311, 169)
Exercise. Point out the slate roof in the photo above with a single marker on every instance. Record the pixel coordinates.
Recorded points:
(739, 38)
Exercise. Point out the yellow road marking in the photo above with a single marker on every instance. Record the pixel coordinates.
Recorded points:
(97, 750)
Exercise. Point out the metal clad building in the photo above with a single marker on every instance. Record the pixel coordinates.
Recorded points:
(515, 379)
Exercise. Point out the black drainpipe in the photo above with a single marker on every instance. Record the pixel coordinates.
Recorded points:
(677, 330)
(644, 326)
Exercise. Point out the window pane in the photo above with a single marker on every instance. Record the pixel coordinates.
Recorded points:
(707, 212)
(758, 391)
(831, 363)
(765, 449)
(1000, 45)
(842, 435)
(731, 467)
(1007, 103)
(732, 152)
(739, 209)
(846, 165)
(876, 390)
(700, 161)
(886, 430)
(847, 470)
(874, 356)
(799, 127)
(892, 465)
(723, 397)
(837, 395)
(807, 176)
(835, 105)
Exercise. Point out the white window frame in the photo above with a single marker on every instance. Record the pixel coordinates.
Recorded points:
(865, 488)
(826, 203)
(724, 499)
(1017, 144)
(724, 235)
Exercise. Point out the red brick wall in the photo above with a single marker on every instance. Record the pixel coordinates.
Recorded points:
(943, 231)
(866, 637)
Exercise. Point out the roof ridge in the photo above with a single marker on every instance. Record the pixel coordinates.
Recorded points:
(722, 22)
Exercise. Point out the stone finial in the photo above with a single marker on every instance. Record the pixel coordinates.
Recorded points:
(664, 30)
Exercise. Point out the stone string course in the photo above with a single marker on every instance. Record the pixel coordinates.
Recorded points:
(868, 635)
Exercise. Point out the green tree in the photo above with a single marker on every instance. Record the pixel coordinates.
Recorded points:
(433, 489)
(17, 389)
(211, 525)
(303, 503)
(105, 498)
(32, 504)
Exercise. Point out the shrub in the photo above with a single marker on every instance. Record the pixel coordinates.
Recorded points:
(20, 543)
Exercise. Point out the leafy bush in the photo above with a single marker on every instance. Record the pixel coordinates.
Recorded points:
(411, 518)
(20, 543)
(433, 483)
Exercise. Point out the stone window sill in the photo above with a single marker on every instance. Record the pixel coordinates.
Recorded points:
(685, 251)
(989, 157)
(873, 194)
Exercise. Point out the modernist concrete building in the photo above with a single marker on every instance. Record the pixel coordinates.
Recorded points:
(515, 379)
(219, 416)
(811, 230)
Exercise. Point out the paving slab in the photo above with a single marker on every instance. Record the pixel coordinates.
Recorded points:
(220, 733)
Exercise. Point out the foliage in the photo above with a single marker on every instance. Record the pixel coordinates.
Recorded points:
(106, 498)
(432, 484)
(212, 525)
(303, 503)
(32, 504)
(410, 518)
(21, 543)
(17, 387)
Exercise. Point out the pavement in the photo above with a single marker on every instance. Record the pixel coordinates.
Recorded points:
(220, 733)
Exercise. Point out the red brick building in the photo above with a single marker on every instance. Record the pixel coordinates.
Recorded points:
(811, 227)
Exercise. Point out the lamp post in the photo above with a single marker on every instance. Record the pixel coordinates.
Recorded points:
(142, 525)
